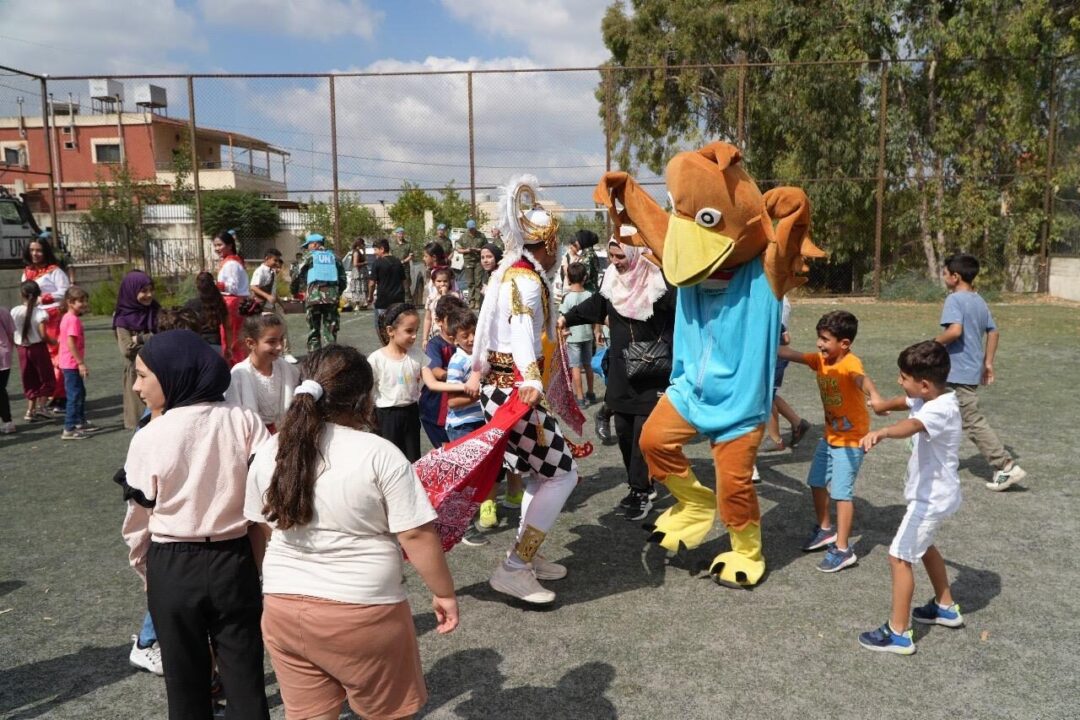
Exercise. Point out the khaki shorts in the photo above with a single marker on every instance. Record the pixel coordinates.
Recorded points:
(325, 651)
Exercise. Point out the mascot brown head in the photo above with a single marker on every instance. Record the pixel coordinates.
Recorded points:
(718, 221)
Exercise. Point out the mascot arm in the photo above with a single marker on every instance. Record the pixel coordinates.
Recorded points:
(785, 264)
(628, 203)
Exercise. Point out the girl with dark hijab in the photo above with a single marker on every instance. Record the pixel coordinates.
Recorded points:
(186, 474)
(134, 320)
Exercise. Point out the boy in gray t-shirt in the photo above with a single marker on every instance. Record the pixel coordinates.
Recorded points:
(966, 319)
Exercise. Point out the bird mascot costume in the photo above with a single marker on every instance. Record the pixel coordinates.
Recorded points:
(732, 253)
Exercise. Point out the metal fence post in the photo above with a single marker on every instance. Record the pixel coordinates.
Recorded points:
(334, 161)
(472, 146)
(195, 171)
(50, 148)
(1048, 191)
(740, 121)
(879, 213)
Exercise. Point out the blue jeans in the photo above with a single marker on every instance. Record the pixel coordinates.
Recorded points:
(459, 431)
(76, 399)
(147, 634)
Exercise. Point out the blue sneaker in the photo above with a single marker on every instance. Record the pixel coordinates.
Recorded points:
(819, 538)
(885, 640)
(836, 559)
(933, 614)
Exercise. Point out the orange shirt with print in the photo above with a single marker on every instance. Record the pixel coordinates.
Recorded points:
(846, 418)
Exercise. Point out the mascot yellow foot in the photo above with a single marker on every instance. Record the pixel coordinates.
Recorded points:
(744, 564)
(689, 520)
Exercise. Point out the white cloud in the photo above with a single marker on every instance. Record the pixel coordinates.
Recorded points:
(415, 127)
(64, 37)
(556, 33)
(305, 18)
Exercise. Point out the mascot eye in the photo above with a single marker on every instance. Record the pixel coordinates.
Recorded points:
(707, 217)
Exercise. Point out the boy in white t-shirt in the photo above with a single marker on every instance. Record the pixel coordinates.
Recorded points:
(932, 491)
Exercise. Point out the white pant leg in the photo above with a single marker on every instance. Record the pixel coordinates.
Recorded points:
(544, 500)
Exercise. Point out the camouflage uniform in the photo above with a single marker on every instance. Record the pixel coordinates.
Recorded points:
(472, 274)
(320, 304)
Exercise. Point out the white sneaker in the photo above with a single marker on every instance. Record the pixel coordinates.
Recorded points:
(521, 584)
(1005, 479)
(290, 358)
(543, 569)
(147, 658)
(7, 428)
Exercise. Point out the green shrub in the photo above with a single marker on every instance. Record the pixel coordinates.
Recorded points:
(169, 292)
(911, 286)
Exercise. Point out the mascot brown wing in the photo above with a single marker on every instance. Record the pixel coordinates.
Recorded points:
(628, 203)
(785, 263)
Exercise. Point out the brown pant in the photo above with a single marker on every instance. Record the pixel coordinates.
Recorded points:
(978, 429)
(662, 440)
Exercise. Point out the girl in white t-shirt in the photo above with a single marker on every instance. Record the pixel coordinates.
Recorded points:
(340, 500)
(32, 341)
(397, 379)
(264, 382)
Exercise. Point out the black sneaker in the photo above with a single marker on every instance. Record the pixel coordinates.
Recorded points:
(639, 507)
(627, 502)
(591, 397)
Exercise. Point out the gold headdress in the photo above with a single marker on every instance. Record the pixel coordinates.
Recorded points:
(525, 221)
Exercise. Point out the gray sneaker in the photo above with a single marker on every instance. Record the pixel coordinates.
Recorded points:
(73, 435)
(1005, 479)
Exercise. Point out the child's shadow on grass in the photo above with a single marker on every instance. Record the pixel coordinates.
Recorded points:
(578, 695)
(48, 685)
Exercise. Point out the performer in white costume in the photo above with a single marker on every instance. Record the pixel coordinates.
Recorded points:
(518, 308)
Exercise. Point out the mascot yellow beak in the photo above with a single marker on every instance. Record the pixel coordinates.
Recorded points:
(692, 253)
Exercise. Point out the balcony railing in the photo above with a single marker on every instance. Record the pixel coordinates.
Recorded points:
(221, 165)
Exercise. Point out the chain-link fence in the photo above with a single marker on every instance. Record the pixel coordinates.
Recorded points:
(904, 161)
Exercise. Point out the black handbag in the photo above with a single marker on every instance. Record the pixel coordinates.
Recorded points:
(647, 359)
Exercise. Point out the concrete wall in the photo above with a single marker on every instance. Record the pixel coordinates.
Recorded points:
(1065, 277)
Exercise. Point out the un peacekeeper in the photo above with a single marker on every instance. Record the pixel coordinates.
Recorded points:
(323, 278)
(469, 245)
(442, 238)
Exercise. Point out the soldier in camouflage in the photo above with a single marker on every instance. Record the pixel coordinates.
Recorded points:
(323, 279)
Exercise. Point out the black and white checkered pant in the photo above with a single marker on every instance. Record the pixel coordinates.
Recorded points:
(523, 452)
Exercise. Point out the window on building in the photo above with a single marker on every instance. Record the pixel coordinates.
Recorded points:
(14, 154)
(107, 152)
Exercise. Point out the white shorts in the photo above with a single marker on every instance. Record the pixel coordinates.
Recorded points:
(916, 534)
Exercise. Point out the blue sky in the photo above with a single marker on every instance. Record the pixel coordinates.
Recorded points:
(389, 129)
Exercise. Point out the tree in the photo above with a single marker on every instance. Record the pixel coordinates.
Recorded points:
(965, 136)
(356, 220)
(252, 216)
(116, 211)
(454, 210)
(408, 212)
(182, 192)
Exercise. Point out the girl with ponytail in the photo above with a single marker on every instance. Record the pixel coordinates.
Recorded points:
(342, 503)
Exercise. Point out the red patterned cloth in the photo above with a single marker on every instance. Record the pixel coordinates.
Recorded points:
(459, 475)
(560, 391)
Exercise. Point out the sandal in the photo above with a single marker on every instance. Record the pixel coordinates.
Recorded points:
(799, 431)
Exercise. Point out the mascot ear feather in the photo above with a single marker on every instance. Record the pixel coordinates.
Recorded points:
(785, 263)
(723, 154)
(638, 209)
